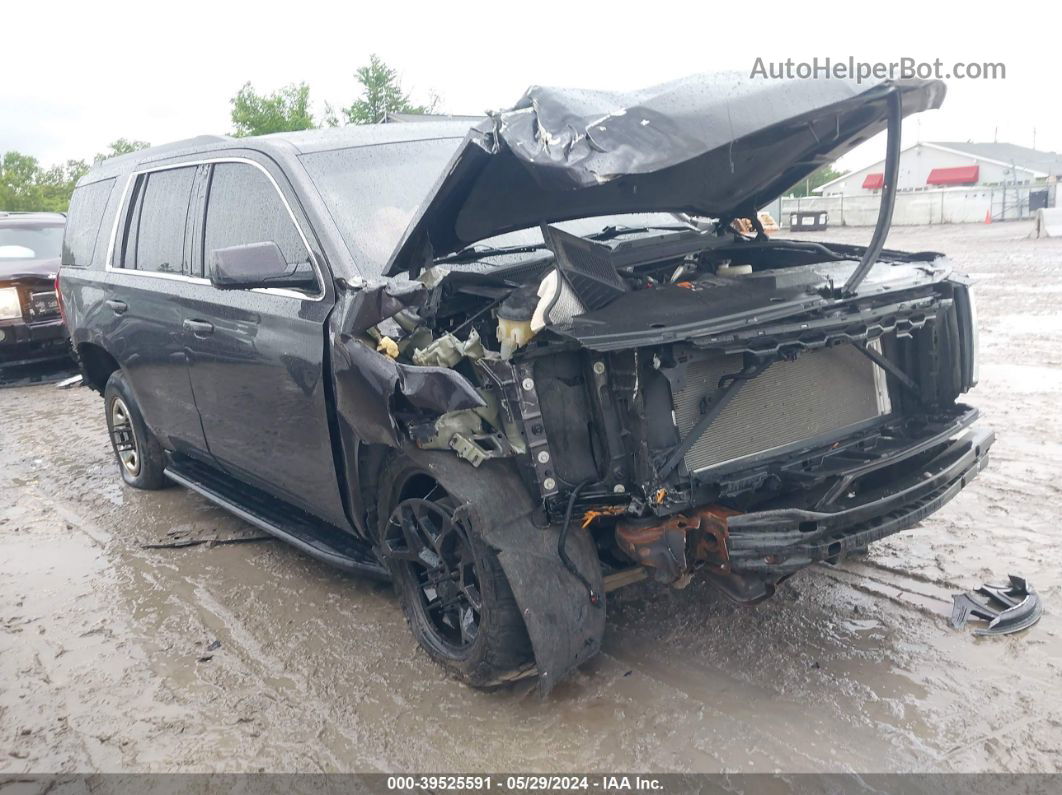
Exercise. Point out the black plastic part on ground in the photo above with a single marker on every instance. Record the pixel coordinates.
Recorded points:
(1007, 608)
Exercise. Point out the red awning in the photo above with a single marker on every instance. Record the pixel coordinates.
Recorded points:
(874, 181)
(959, 175)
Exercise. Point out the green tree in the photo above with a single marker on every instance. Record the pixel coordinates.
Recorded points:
(330, 119)
(281, 111)
(121, 146)
(20, 182)
(381, 93)
(57, 183)
(27, 186)
(820, 177)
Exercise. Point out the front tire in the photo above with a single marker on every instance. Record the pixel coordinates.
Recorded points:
(138, 452)
(454, 593)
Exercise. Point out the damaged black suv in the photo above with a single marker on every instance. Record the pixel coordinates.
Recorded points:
(515, 367)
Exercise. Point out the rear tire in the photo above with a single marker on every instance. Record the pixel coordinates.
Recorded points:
(138, 452)
(454, 593)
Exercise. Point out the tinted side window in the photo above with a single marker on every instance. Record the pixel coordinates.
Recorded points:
(83, 222)
(243, 207)
(155, 238)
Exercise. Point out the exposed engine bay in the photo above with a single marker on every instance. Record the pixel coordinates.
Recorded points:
(662, 386)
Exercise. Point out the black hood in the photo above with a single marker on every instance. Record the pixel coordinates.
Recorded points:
(14, 269)
(719, 145)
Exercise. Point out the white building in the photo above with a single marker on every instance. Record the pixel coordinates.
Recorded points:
(933, 165)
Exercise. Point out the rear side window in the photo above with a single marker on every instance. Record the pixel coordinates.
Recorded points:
(83, 222)
(155, 240)
(244, 207)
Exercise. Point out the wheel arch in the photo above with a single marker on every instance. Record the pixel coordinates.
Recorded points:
(97, 364)
(564, 627)
(369, 462)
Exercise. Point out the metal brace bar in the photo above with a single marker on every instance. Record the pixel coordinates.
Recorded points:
(736, 381)
(889, 368)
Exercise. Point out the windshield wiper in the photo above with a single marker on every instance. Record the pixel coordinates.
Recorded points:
(471, 253)
(610, 232)
(476, 252)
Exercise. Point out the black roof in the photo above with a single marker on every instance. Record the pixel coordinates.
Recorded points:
(422, 118)
(282, 144)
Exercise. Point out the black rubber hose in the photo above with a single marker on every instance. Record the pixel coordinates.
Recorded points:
(562, 540)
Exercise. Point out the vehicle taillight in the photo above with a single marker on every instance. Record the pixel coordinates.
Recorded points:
(59, 299)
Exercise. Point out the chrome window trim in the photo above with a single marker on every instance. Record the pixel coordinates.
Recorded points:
(122, 208)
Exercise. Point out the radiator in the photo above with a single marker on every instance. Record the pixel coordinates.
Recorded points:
(822, 392)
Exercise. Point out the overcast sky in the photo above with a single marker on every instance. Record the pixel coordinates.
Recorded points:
(78, 75)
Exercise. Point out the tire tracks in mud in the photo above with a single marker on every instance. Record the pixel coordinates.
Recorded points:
(767, 743)
(903, 583)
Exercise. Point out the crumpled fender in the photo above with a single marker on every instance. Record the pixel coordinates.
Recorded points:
(565, 629)
(364, 307)
(366, 383)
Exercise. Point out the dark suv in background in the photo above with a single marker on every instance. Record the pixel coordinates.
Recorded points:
(31, 328)
(516, 366)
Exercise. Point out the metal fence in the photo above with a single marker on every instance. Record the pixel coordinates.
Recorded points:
(914, 208)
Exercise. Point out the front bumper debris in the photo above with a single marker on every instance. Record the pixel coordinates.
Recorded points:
(670, 549)
(747, 554)
(1007, 608)
(780, 542)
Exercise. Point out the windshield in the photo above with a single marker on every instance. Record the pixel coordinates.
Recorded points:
(27, 241)
(373, 192)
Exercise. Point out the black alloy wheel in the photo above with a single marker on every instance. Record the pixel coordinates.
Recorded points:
(433, 545)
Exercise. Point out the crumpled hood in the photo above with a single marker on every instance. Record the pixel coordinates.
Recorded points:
(718, 145)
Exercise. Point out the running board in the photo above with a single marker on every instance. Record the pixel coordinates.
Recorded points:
(313, 536)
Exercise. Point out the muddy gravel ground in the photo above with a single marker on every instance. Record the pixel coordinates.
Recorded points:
(241, 654)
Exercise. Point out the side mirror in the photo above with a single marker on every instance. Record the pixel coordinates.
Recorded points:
(258, 265)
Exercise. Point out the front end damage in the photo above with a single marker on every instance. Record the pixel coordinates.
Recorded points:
(744, 450)
(685, 401)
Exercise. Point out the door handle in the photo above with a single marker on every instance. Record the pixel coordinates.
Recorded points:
(200, 328)
(118, 307)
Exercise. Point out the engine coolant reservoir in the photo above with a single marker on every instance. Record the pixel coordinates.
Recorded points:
(514, 319)
(513, 334)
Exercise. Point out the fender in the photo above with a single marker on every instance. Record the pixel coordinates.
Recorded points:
(565, 629)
